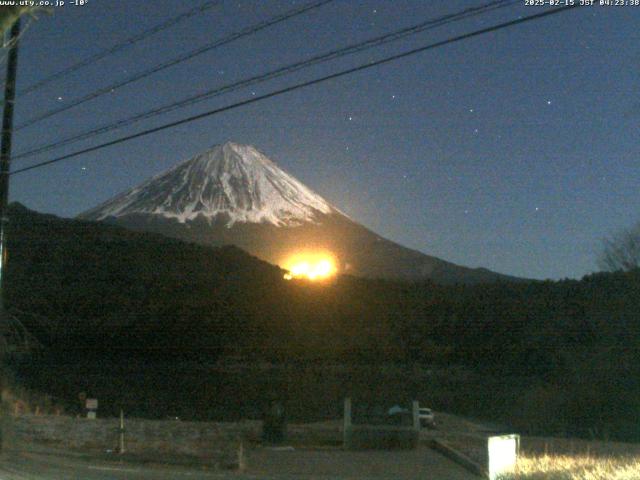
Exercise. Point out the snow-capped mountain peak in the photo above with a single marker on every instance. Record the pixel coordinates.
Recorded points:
(230, 181)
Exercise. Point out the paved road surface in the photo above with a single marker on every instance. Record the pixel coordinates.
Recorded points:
(422, 463)
(265, 464)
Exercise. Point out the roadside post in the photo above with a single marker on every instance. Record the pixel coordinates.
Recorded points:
(416, 415)
(346, 428)
(347, 413)
(121, 447)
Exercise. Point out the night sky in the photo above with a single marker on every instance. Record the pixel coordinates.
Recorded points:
(517, 150)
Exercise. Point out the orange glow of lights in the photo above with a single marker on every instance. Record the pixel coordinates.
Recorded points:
(310, 267)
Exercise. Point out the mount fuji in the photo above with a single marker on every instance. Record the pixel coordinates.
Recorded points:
(234, 194)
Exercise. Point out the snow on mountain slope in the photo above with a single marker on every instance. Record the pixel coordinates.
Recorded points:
(234, 181)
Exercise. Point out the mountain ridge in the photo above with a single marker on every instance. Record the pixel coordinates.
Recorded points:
(234, 194)
(229, 179)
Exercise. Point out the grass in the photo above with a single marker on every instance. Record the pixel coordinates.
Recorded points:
(574, 459)
(575, 467)
(548, 457)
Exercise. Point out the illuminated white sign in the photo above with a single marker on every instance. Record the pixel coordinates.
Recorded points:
(503, 454)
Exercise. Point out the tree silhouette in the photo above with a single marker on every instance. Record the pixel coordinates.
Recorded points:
(621, 251)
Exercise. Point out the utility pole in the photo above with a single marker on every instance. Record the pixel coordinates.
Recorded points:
(5, 157)
(5, 166)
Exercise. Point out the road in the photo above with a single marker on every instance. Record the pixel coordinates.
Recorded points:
(422, 463)
(267, 464)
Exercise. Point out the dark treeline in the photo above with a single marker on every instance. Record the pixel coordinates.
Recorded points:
(100, 296)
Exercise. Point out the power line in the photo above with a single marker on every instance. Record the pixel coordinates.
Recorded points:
(175, 61)
(120, 46)
(302, 85)
(291, 68)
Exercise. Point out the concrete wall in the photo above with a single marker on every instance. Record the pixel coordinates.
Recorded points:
(188, 438)
(215, 442)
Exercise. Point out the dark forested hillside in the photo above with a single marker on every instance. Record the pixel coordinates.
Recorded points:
(114, 297)
(103, 284)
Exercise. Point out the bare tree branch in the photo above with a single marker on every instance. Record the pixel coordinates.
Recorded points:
(621, 251)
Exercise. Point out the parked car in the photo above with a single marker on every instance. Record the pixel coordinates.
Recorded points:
(426, 417)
